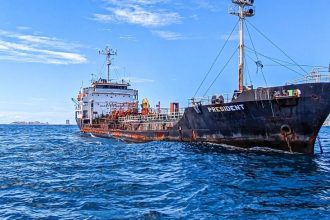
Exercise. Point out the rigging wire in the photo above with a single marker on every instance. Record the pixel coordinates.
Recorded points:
(275, 61)
(263, 75)
(258, 62)
(282, 61)
(277, 46)
(224, 67)
(251, 40)
(291, 64)
(216, 59)
(261, 68)
(116, 73)
(272, 59)
(101, 69)
(248, 72)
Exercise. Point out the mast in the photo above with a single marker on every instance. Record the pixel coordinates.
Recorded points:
(243, 8)
(108, 52)
(241, 49)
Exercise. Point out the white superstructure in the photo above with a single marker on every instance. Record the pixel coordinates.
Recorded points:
(105, 98)
(102, 98)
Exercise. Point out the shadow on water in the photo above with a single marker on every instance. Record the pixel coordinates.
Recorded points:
(246, 159)
(260, 157)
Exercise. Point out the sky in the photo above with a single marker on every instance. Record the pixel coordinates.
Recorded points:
(49, 49)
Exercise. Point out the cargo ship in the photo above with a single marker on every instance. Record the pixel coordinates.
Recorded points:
(286, 117)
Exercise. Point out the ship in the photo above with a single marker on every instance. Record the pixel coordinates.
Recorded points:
(286, 118)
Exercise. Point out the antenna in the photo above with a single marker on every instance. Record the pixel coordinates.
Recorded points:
(242, 9)
(92, 78)
(108, 52)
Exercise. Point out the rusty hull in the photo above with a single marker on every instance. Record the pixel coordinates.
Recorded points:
(254, 119)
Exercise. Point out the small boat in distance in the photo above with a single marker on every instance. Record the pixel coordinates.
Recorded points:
(286, 117)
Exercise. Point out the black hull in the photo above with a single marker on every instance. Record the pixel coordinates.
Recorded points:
(255, 119)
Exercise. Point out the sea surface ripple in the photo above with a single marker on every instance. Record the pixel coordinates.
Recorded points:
(55, 172)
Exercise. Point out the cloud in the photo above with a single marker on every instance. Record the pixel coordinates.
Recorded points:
(23, 28)
(194, 17)
(128, 38)
(145, 13)
(38, 49)
(168, 35)
(103, 17)
(213, 6)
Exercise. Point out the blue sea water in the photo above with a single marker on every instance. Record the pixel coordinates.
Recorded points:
(55, 172)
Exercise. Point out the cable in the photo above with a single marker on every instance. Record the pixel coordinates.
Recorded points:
(220, 72)
(283, 61)
(277, 47)
(305, 65)
(263, 75)
(261, 68)
(274, 60)
(251, 40)
(248, 71)
(102, 67)
(215, 60)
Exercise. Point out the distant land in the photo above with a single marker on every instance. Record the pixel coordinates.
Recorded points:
(326, 123)
(28, 123)
(37, 123)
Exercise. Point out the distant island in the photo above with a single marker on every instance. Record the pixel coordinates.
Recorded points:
(28, 123)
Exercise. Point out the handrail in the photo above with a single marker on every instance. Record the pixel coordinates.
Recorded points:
(164, 110)
(208, 99)
(153, 117)
(313, 77)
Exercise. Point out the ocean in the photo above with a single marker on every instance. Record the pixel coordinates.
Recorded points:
(56, 172)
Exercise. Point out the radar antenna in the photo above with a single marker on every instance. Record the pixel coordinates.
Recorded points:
(108, 52)
(242, 8)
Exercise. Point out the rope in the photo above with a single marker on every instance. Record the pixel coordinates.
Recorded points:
(248, 71)
(101, 69)
(215, 60)
(274, 60)
(305, 65)
(277, 46)
(251, 40)
(220, 72)
(283, 61)
(255, 52)
(258, 63)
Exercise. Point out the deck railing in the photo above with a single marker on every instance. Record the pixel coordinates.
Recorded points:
(315, 76)
(151, 117)
(206, 100)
